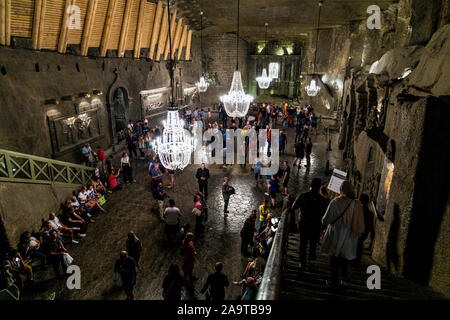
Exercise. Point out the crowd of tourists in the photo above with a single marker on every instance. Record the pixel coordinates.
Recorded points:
(345, 219)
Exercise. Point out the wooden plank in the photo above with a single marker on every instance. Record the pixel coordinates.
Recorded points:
(116, 25)
(177, 37)
(130, 36)
(147, 26)
(95, 38)
(107, 28)
(140, 22)
(172, 34)
(62, 43)
(188, 46)
(162, 35)
(156, 29)
(36, 22)
(22, 13)
(2, 22)
(182, 42)
(88, 25)
(8, 22)
(75, 35)
(124, 30)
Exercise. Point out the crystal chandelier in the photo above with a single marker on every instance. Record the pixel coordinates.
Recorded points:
(312, 90)
(175, 145)
(236, 102)
(264, 80)
(273, 70)
(202, 85)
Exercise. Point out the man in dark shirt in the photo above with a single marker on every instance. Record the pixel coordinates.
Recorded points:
(172, 284)
(286, 175)
(308, 150)
(202, 176)
(247, 233)
(126, 267)
(132, 144)
(311, 205)
(216, 284)
(227, 191)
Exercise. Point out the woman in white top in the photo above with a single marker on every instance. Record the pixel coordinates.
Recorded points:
(345, 220)
(125, 166)
(88, 200)
(141, 146)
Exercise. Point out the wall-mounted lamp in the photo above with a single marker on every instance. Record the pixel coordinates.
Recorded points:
(52, 101)
(97, 92)
(84, 95)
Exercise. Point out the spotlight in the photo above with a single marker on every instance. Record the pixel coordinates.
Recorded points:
(97, 92)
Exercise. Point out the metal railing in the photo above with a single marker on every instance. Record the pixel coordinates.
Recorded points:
(25, 168)
(271, 282)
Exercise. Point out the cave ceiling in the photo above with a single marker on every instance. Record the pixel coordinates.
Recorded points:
(288, 19)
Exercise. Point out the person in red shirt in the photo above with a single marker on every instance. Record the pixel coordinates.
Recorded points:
(189, 254)
(198, 214)
(112, 181)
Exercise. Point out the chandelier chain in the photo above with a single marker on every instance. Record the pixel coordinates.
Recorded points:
(171, 64)
(317, 37)
(237, 38)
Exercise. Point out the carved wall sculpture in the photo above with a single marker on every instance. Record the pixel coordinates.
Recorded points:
(71, 131)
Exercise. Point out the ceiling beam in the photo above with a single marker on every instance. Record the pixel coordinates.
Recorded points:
(36, 23)
(156, 29)
(162, 35)
(140, 23)
(2, 22)
(182, 41)
(172, 34)
(62, 43)
(177, 38)
(188, 46)
(107, 29)
(88, 26)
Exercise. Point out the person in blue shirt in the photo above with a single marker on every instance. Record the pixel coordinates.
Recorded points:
(272, 187)
(257, 170)
(160, 195)
(86, 150)
(156, 175)
(313, 124)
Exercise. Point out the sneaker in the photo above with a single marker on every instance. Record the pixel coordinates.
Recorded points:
(91, 220)
(266, 193)
(75, 241)
(76, 228)
(89, 215)
(82, 235)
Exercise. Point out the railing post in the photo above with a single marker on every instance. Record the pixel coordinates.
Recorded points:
(32, 172)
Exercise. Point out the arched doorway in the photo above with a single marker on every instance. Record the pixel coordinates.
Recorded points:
(121, 112)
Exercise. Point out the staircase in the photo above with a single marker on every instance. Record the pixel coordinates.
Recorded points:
(25, 168)
(310, 283)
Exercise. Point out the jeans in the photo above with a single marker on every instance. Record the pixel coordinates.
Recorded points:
(39, 253)
(225, 202)
(87, 162)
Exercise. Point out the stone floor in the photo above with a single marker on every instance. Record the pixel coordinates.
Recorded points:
(135, 209)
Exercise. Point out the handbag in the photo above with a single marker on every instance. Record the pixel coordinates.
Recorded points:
(323, 233)
(67, 259)
(101, 200)
(117, 279)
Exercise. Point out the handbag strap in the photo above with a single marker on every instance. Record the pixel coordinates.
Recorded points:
(342, 214)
